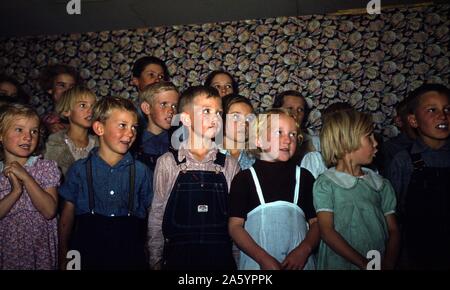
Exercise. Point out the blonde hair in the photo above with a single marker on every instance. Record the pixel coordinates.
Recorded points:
(11, 112)
(341, 134)
(70, 97)
(102, 109)
(262, 125)
(150, 91)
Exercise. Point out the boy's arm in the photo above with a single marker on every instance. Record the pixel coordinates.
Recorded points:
(155, 218)
(336, 242)
(65, 226)
(246, 243)
(393, 243)
(298, 257)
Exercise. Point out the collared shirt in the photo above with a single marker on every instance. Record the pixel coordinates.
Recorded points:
(245, 160)
(155, 144)
(400, 170)
(111, 186)
(166, 173)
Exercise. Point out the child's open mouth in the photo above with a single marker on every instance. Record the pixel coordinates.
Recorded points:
(442, 126)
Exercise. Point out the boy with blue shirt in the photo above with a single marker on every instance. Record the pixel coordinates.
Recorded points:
(421, 179)
(107, 195)
(159, 104)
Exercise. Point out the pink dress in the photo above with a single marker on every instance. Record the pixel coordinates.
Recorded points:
(28, 241)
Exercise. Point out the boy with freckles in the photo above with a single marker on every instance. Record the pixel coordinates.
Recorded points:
(107, 195)
(188, 219)
(421, 179)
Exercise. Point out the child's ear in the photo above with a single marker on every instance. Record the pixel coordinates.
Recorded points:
(66, 114)
(412, 120)
(145, 107)
(135, 82)
(185, 119)
(99, 128)
(50, 91)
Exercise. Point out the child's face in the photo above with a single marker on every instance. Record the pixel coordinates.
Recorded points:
(282, 139)
(236, 126)
(81, 113)
(8, 89)
(205, 116)
(118, 132)
(21, 138)
(366, 152)
(223, 83)
(296, 106)
(152, 73)
(163, 108)
(61, 83)
(431, 118)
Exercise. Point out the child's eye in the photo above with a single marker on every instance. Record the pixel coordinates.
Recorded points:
(206, 111)
(431, 110)
(35, 131)
(82, 106)
(293, 135)
(134, 128)
(18, 129)
(122, 126)
(447, 110)
(228, 87)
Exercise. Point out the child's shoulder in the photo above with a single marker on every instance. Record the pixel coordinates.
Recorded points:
(57, 138)
(335, 178)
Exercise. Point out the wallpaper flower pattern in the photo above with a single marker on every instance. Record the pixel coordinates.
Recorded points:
(372, 61)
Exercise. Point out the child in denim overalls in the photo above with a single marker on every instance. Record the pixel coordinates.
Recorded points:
(189, 214)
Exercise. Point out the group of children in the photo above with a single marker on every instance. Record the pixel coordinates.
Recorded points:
(127, 198)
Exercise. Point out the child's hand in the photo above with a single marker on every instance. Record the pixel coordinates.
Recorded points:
(296, 259)
(270, 263)
(18, 170)
(16, 185)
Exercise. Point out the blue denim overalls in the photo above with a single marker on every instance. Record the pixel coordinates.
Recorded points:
(110, 243)
(195, 223)
(427, 217)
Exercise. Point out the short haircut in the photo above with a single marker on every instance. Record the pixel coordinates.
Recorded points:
(70, 97)
(262, 125)
(415, 96)
(341, 134)
(335, 107)
(102, 109)
(188, 96)
(210, 77)
(279, 100)
(149, 92)
(230, 100)
(49, 74)
(140, 65)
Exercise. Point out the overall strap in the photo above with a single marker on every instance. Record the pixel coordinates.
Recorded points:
(258, 186)
(220, 159)
(175, 156)
(90, 185)
(297, 184)
(132, 173)
(417, 161)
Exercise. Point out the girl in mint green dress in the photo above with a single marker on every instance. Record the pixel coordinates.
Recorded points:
(355, 206)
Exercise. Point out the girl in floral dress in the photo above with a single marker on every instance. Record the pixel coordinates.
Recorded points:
(28, 195)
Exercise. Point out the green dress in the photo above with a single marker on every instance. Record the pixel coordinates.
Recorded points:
(359, 206)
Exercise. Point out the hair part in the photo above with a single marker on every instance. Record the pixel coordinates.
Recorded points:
(188, 96)
(341, 134)
(210, 77)
(140, 65)
(49, 74)
(150, 91)
(416, 95)
(103, 108)
(70, 97)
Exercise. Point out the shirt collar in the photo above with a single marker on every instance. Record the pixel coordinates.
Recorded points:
(348, 181)
(125, 161)
(419, 147)
(30, 162)
(185, 153)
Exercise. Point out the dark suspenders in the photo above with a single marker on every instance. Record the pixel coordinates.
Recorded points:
(132, 172)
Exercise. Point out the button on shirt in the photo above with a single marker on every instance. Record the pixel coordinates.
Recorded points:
(111, 186)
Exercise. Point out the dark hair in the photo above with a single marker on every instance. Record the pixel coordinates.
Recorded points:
(232, 99)
(210, 77)
(21, 97)
(279, 100)
(188, 96)
(415, 95)
(49, 74)
(336, 107)
(140, 64)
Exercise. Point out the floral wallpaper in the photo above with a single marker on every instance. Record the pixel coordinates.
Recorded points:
(372, 61)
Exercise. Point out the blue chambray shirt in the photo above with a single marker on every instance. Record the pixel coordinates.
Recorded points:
(245, 160)
(111, 186)
(155, 144)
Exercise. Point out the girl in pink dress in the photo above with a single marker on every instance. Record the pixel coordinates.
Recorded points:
(28, 195)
